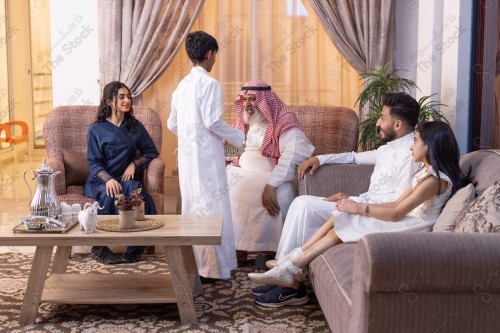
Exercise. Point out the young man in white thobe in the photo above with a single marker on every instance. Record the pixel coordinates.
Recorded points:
(392, 175)
(261, 181)
(196, 118)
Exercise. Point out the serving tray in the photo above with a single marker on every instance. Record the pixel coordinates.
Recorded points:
(42, 225)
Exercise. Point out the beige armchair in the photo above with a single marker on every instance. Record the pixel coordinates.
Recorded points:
(330, 129)
(65, 134)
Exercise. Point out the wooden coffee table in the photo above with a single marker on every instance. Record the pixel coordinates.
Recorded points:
(177, 237)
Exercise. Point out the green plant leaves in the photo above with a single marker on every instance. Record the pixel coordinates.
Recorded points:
(378, 82)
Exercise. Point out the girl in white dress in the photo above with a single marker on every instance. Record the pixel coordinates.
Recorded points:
(417, 209)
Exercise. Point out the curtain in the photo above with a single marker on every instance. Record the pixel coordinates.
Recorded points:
(294, 55)
(362, 30)
(138, 39)
(496, 131)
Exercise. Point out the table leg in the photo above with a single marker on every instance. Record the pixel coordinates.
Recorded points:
(36, 282)
(181, 285)
(61, 259)
(192, 269)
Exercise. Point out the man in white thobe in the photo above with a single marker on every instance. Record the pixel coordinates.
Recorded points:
(262, 182)
(196, 118)
(392, 175)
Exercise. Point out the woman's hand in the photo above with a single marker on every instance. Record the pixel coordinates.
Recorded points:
(129, 172)
(351, 207)
(113, 187)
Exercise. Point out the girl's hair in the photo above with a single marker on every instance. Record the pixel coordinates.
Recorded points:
(442, 152)
(110, 93)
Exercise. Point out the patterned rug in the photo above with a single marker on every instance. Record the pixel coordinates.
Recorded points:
(225, 306)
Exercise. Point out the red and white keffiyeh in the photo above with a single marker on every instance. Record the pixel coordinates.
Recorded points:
(280, 118)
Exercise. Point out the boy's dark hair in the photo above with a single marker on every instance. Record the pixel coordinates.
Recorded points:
(403, 106)
(198, 43)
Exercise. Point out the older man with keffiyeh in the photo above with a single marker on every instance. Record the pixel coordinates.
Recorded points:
(261, 180)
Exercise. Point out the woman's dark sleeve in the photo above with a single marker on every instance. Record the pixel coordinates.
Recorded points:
(147, 148)
(95, 157)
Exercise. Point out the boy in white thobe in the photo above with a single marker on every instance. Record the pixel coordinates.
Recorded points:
(196, 118)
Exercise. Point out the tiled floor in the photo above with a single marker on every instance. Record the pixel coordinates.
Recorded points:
(15, 196)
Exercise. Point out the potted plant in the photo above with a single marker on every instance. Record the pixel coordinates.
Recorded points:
(125, 204)
(377, 82)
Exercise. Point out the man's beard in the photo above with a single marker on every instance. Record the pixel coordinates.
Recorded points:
(388, 136)
(256, 118)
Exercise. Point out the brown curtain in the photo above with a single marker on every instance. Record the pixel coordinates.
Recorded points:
(138, 39)
(362, 30)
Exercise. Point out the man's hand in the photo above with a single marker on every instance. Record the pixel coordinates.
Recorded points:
(336, 197)
(269, 200)
(313, 162)
(129, 172)
(113, 187)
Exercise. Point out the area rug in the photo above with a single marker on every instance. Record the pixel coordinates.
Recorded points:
(225, 306)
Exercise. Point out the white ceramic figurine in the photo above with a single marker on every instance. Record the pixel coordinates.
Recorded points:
(88, 217)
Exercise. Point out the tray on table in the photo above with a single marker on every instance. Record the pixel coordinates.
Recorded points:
(39, 226)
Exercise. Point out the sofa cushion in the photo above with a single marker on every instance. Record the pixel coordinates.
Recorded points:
(483, 166)
(483, 215)
(76, 168)
(453, 209)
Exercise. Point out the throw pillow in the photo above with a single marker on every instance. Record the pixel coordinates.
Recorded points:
(453, 209)
(483, 215)
(76, 168)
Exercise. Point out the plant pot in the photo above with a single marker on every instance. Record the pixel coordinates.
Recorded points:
(139, 212)
(126, 219)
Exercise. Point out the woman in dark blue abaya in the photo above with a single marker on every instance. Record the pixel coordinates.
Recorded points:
(119, 150)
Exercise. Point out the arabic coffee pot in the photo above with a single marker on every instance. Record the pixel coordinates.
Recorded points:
(44, 202)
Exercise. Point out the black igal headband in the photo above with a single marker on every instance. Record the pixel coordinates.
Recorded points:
(256, 88)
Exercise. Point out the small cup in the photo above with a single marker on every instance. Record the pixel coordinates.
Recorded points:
(65, 208)
(75, 209)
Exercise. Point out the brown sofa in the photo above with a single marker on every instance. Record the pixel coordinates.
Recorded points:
(65, 134)
(408, 282)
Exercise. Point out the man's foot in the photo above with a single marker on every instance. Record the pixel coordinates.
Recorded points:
(105, 255)
(206, 280)
(241, 257)
(261, 290)
(133, 254)
(281, 296)
(283, 275)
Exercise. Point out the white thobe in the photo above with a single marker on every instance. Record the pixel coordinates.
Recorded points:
(254, 229)
(391, 177)
(196, 118)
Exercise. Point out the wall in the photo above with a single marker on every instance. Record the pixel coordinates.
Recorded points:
(75, 56)
(433, 41)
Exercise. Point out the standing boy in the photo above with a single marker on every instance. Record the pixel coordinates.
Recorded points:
(196, 118)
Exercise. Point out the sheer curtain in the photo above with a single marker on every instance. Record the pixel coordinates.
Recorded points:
(294, 55)
(138, 39)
